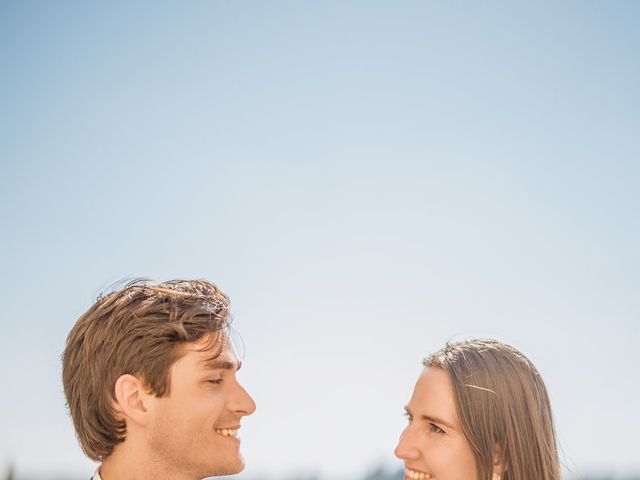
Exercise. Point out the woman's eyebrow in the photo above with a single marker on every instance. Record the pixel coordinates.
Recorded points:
(439, 421)
(430, 418)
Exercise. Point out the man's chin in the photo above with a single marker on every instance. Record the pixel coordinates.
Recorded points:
(230, 469)
(237, 468)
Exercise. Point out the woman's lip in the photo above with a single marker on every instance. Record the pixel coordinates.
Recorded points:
(407, 471)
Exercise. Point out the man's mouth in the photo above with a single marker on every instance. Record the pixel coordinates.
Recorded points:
(417, 475)
(228, 432)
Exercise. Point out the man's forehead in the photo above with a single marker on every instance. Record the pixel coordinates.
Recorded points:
(214, 351)
(211, 343)
(218, 357)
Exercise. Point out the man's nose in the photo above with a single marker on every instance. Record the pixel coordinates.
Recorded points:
(242, 402)
(407, 448)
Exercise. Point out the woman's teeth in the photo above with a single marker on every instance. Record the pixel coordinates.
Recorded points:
(417, 475)
(226, 432)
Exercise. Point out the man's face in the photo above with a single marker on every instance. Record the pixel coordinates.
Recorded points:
(193, 429)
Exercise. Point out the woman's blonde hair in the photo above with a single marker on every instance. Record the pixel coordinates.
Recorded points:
(503, 408)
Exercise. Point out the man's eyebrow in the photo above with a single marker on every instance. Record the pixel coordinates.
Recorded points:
(218, 364)
(432, 419)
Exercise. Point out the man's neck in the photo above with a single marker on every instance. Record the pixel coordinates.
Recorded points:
(125, 464)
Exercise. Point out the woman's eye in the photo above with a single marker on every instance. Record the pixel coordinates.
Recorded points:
(435, 429)
(217, 381)
(408, 416)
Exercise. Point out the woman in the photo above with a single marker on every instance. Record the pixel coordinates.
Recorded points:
(479, 411)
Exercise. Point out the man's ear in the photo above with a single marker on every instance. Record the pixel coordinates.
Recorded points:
(131, 399)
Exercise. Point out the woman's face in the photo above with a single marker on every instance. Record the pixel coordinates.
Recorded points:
(433, 445)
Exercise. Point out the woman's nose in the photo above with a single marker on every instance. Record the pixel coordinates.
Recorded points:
(407, 448)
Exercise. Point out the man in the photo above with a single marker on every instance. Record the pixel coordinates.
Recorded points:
(149, 373)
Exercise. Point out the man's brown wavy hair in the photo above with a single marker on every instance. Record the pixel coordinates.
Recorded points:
(140, 330)
(503, 407)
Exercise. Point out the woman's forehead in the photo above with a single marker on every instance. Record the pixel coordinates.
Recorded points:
(433, 396)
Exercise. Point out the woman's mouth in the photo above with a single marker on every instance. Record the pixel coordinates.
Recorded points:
(416, 475)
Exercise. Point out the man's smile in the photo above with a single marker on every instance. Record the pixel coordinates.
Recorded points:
(228, 431)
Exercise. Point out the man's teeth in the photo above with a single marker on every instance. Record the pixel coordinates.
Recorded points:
(417, 475)
(225, 432)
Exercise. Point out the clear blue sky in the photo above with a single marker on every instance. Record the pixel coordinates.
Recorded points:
(366, 180)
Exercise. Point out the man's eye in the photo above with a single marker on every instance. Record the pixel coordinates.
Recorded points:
(435, 429)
